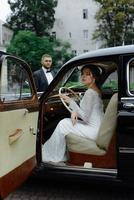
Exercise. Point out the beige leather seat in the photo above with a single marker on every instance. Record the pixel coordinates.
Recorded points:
(107, 129)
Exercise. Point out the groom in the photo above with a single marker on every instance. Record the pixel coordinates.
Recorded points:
(43, 76)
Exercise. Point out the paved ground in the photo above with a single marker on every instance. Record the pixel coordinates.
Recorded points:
(36, 190)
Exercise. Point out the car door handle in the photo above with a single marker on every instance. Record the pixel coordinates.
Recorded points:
(15, 136)
(128, 105)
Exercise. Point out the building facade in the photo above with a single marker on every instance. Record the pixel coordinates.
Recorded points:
(6, 35)
(75, 22)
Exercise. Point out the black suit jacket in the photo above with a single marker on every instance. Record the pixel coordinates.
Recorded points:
(40, 80)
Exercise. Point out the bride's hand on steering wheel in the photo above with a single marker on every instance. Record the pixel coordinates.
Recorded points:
(74, 117)
(66, 98)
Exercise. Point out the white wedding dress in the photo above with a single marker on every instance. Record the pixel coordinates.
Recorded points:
(90, 112)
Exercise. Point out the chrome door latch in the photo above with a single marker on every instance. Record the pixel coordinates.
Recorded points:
(128, 105)
(31, 129)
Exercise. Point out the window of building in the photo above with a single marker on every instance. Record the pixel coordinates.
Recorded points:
(5, 37)
(54, 34)
(85, 50)
(85, 13)
(85, 34)
(74, 52)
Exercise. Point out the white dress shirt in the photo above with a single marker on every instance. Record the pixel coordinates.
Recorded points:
(49, 75)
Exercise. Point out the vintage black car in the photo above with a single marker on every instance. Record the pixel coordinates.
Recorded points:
(27, 120)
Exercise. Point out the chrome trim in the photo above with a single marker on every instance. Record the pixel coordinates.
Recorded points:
(126, 150)
(127, 98)
(128, 105)
(82, 169)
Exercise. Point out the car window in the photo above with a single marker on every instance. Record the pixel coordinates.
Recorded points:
(130, 69)
(111, 82)
(71, 79)
(15, 84)
(74, 80)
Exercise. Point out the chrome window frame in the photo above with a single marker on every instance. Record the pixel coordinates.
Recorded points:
(128, 78)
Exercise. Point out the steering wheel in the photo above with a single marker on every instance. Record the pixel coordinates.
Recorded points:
(67, 91)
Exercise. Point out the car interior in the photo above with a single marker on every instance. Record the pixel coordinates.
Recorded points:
(83, 152)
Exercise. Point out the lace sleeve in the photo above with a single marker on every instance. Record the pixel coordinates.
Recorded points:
(86, 106)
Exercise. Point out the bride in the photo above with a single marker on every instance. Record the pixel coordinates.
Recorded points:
(90, 112)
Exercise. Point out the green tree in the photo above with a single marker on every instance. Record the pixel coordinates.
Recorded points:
(33, 15)
(115, 22)
(30, 47)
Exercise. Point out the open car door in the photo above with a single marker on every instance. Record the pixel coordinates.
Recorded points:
(18, 123)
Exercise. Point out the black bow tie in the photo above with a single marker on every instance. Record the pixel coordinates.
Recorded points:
(48, 71)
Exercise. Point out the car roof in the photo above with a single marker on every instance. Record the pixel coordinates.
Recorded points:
(102, 53)
(120, 50)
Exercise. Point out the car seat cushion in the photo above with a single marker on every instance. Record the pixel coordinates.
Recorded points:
(83, 145)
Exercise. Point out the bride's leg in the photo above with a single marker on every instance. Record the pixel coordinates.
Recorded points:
(55, 148)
